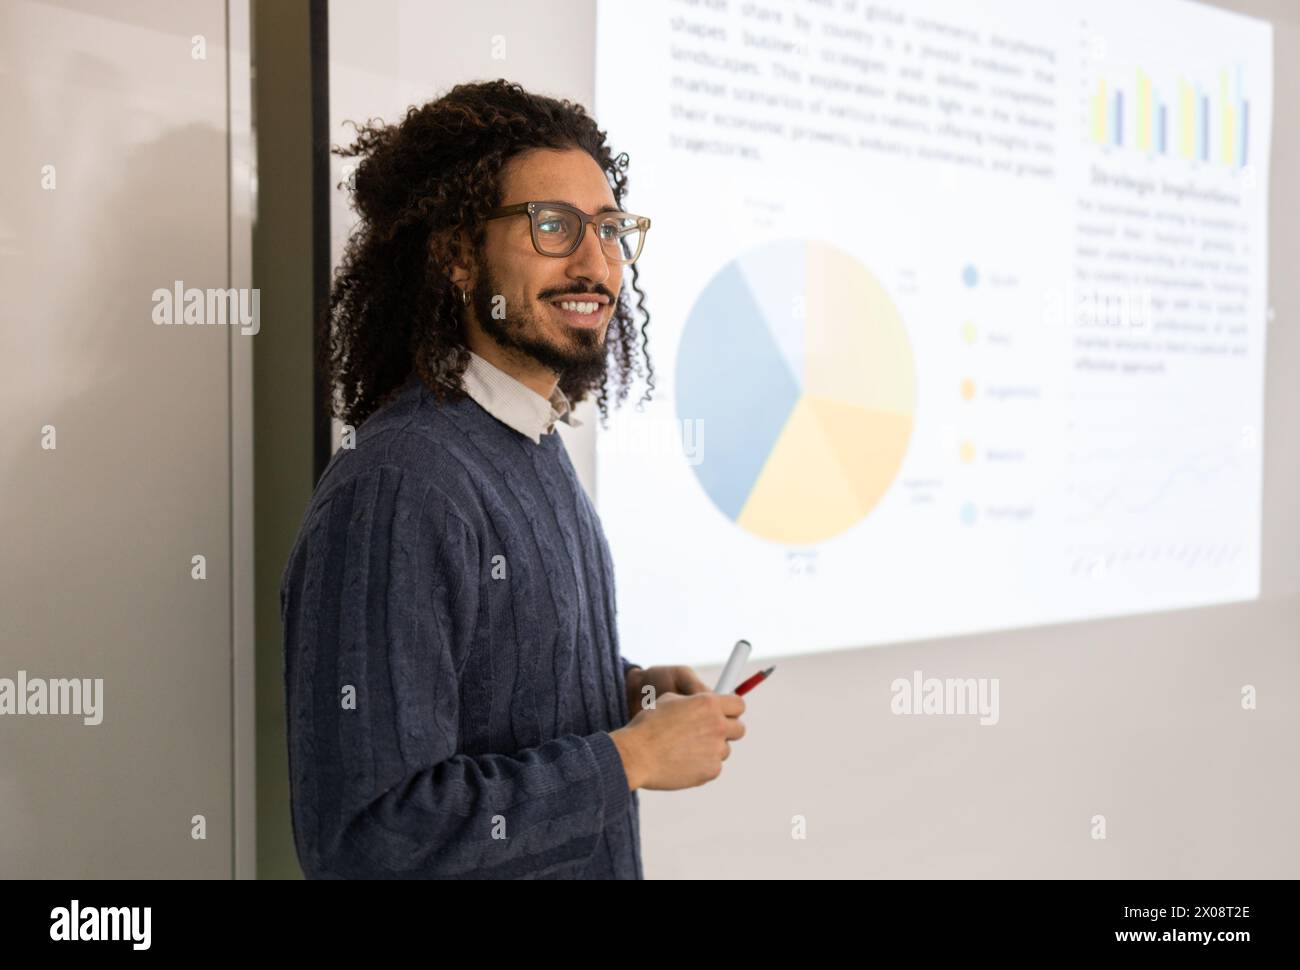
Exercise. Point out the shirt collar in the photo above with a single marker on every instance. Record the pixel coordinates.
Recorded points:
(513, 403)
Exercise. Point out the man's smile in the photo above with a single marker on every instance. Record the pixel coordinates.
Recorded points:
(584, 311)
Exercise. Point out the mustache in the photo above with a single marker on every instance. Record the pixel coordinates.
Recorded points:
(599, 290)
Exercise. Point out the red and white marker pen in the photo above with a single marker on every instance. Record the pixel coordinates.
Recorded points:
(754, 681)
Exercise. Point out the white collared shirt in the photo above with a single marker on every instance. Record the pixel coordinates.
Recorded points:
(513, 403)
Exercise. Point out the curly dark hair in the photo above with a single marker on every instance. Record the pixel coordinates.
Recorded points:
(422, 189)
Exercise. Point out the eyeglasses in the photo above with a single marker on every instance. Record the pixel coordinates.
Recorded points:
(558, 229)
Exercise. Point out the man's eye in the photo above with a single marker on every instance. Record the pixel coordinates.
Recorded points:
(551, 225)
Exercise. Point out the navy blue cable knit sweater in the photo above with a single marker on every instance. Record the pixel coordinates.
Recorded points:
(452, 670)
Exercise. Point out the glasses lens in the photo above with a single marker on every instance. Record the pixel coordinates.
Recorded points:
(621, 237)
(556, 230)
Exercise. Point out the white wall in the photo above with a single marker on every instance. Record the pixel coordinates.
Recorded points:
(152, 431)
(1138, 719)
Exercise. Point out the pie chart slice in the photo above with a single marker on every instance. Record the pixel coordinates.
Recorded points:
(855, 346)
(725, 345)
(802, 475)
(869, 444)
(798, 370)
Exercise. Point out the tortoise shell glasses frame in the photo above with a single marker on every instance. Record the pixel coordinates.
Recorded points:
(622, 245)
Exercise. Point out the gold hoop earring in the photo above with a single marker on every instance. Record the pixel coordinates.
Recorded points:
(464, 297)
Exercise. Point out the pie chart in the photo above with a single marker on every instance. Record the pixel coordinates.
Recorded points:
(796, 368)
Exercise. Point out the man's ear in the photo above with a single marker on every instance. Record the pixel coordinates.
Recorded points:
(449, 252)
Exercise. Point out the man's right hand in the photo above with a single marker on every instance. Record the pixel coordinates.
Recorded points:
(681, 742)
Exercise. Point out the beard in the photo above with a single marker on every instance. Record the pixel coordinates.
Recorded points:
(579, 357)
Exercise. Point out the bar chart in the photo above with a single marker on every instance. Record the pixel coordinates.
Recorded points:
(1197, 120)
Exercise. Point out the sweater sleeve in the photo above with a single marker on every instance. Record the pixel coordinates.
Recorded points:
(379, 603)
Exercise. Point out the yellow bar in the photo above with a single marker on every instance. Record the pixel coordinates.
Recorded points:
(1229, 126)
(1099, 114)
(1230, 136)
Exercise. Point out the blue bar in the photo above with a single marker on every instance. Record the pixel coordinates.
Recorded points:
(1119, 117)
(1245, 120)
(1205, 128)
(1160, 141)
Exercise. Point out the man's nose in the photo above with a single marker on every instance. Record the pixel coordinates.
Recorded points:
(589, 260)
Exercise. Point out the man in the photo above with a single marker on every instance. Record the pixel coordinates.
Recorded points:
(457, 705)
